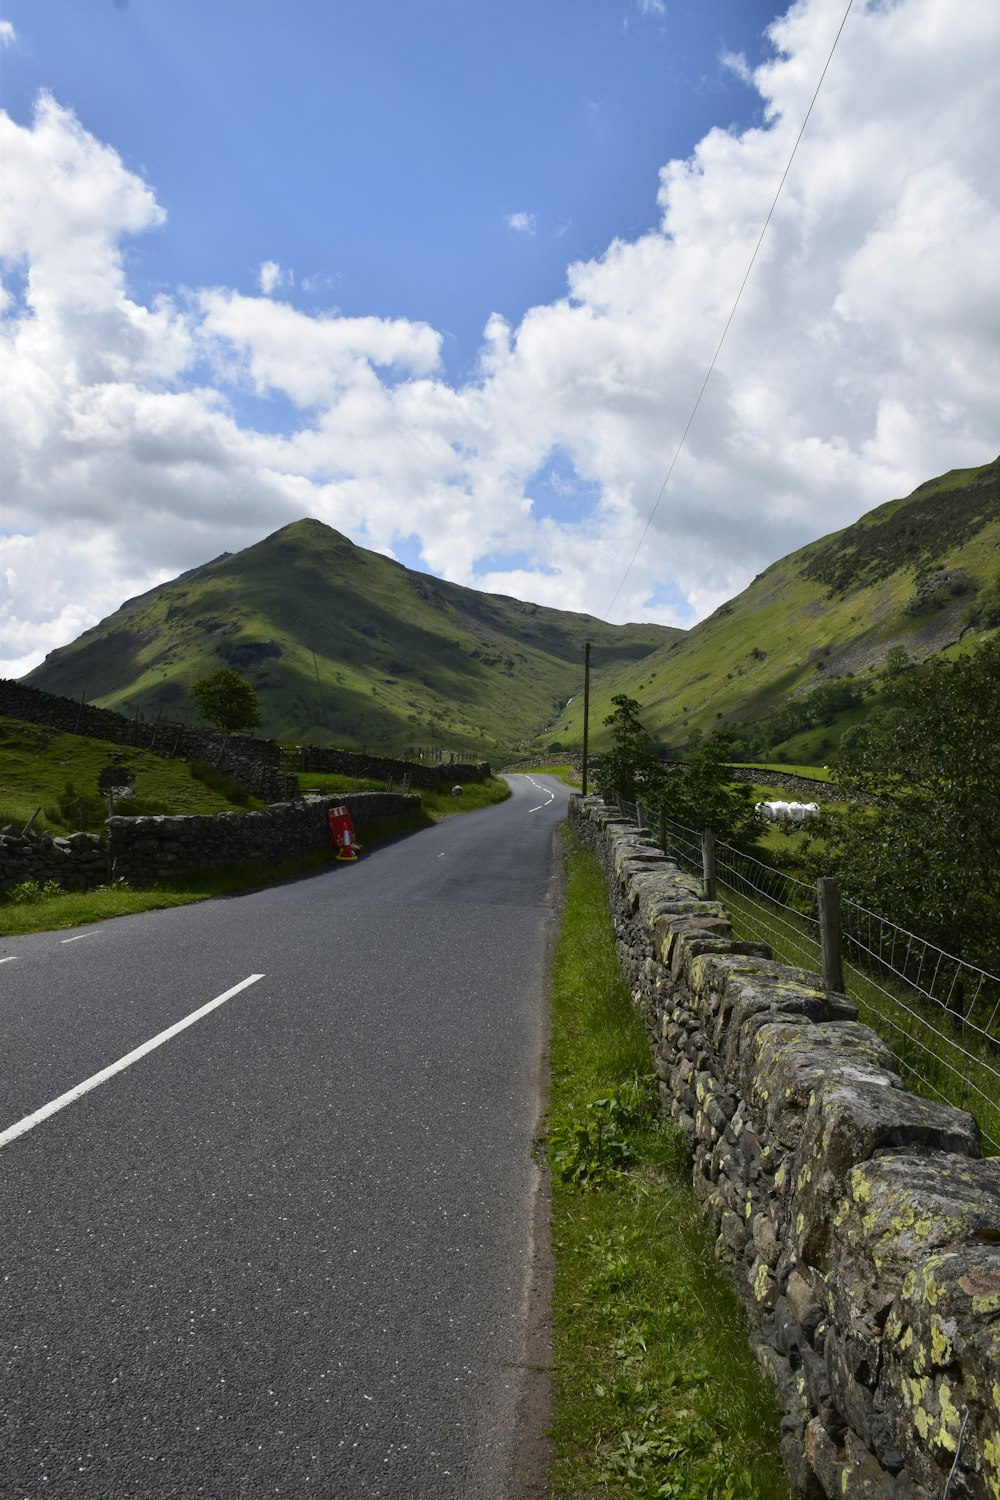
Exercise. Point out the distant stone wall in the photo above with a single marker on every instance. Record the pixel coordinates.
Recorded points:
(258, 764)
(380, 767)
(75, 863)
(255, 763)
(858, 1221)
(144, 850)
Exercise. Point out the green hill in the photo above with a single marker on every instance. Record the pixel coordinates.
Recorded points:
(345, 646)
(808, 648)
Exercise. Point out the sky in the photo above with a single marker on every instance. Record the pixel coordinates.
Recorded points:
(450, 275)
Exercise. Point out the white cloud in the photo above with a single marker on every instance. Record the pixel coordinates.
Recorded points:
(864, 358)
(651, 7)
(271, 277)
(8, 36)
(523, 223)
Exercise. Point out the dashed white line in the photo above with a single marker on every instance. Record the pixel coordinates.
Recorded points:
(30, 1121)
(79, 937)
(548, 790)
(12, 958)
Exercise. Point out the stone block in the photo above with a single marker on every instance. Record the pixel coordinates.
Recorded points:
(847, 1121)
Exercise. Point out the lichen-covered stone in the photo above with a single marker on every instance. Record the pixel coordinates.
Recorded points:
(860, 1228)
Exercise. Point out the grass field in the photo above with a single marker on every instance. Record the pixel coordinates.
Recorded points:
(41, 768)
(656, 1393)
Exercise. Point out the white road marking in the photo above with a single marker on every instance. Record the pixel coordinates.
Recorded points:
(547, 790)
(80, 936)
(10, 960)
(30, 1121)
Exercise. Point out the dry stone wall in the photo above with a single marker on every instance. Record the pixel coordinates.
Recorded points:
(379, 767)
(255, 763)
(859, 1222)
(144, 850)
(75, 863)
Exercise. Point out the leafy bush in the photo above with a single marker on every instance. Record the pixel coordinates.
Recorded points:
(27, 892)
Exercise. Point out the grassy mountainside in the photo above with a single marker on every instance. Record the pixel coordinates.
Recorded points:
(344, 645)
(921, 574)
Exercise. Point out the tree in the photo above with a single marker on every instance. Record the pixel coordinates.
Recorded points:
(630, 769)
(226, 700)
(703, 795)
(929, 855)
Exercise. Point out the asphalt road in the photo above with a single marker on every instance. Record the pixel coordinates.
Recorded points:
(286, 1252)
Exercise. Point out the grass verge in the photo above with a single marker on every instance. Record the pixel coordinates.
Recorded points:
(656, 1393)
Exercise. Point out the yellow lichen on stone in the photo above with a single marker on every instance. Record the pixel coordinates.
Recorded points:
(805, 1175)
(779, 1177)
(942, 1350)
(861, 1188)
(843, 1212)
(907, 1338)
(760, 1283)
(991, 1457)
(985, 1306)
(800, 1223)
(931, 1290)
(950, 1417)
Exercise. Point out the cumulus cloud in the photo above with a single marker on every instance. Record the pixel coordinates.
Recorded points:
(8, 36)
(270, 277)
(864, 357)
(522, 223)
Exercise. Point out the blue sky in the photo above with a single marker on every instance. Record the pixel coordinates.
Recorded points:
(379, 150)
(449, 276)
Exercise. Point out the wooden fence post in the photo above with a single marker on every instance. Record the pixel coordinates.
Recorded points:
(708, 863)
(828, 902)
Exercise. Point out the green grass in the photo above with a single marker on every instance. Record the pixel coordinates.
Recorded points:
(656, 1393)
(788, 631)
(40, 767)
(30, 908)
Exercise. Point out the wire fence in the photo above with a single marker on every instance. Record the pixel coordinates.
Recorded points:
(940, 1015)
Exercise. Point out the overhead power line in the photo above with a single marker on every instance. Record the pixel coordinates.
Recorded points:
(739, 294)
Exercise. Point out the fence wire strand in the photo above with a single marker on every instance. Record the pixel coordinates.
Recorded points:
(940, 1015)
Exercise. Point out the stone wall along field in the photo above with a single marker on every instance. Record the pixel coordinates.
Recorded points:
(144, 850)
(859, 1222)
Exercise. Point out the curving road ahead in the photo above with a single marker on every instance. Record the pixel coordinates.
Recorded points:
(284, 1251)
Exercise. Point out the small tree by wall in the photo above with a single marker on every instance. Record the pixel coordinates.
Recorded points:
(227, 700)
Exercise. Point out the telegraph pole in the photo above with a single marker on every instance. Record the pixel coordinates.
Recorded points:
(586, 709)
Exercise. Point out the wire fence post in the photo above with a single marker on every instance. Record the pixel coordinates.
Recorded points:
(828, 902)
(708, 863)
(638, 814)
(663, 830)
